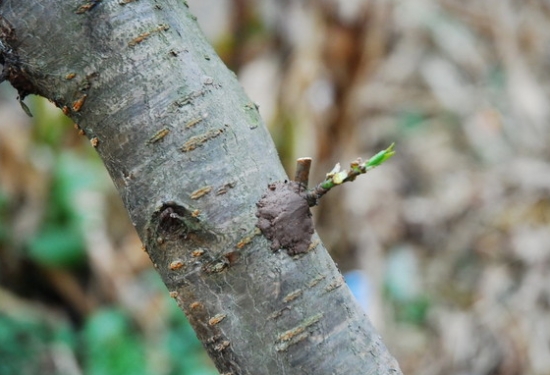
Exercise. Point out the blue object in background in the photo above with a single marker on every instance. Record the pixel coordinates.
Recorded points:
(402, 279)
(361, 287)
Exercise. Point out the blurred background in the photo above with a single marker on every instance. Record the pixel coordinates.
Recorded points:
(447, 245)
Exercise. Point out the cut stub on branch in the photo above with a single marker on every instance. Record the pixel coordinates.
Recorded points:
(284, 218)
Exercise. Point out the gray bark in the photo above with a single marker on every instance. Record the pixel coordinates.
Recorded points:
(190, 157)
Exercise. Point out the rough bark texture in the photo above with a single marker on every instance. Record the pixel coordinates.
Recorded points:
(191, 157)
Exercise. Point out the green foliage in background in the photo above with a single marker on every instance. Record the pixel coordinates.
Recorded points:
(111, 345)
(60, 242)
(36, 341)
(27, 345)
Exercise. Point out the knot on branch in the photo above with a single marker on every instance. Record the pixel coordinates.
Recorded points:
(284, 217)
(174, 222)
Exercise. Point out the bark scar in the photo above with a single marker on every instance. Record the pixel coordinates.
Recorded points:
(284, 218)
(175, 222)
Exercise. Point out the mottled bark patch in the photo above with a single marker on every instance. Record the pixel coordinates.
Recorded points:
(284, 218)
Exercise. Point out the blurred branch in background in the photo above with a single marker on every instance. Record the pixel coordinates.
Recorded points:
(452, 262)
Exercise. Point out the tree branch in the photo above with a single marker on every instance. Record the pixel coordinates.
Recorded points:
(190, 158)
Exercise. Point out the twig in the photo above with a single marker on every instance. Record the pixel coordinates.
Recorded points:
(302, 172)
(338, 177)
